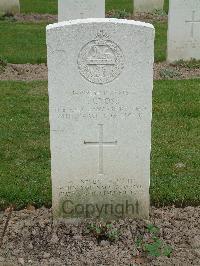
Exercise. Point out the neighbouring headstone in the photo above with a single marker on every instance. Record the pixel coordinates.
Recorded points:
(147, 5)
(100, 100)
(9, 7)
(184, 30)
(79, 9)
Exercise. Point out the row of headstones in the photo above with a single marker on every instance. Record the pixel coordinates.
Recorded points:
(73, 9)
(183, 25)
(70, 8)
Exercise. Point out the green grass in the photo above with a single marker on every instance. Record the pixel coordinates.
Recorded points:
(26, 42)
(24, 138)
(50, 6)
(39, 6)
(126, 5)
(160, 41)
(176, 140)
(22, 42)
(25, 156)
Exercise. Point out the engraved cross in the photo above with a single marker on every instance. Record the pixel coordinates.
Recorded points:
(193, 22)
(101, 143)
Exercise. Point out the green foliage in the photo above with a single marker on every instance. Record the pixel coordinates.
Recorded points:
(192, 64)
(167, 251)
(102, 230)
(152, 229)
(120, 14)
(160, 12)
(169, 73)
(151, 245)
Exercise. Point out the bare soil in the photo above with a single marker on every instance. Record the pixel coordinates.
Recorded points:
(32, 239)
(49, 18)
(28, 72)
(36, 18)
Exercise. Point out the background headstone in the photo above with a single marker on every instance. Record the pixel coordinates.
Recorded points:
(100, 96)
(9, 7)
(147, 5)
(79, 9)
(184, 30)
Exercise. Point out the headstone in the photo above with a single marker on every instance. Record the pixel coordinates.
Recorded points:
(9, 7)
(100, 100)
(79, 9)
(184, 30)
(147, 5)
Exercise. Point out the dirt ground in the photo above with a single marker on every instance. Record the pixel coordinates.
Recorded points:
(30, 72)
(38, 18)
(32, 239)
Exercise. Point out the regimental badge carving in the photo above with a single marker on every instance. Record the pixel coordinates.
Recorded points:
(101, 60)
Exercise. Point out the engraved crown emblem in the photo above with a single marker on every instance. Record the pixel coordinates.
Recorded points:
(102, 35)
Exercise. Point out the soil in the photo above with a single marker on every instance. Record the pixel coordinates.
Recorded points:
(49, 18)
(32, 239)
(28, 72)
(36, 18)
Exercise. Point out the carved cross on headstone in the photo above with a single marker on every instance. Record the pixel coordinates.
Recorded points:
(101, 143)
(193, 22)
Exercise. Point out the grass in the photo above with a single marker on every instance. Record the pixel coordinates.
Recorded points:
(176, 143)
(24, 138)
(39, 6)
(26, 42)
(50, 6)
(160, 41)
(22, 42)
(25, 156)
(126, 5)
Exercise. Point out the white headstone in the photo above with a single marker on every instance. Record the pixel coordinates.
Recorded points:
(184, 30)
(9, 7)
(100, 96)
(79, 9)
(147, 5)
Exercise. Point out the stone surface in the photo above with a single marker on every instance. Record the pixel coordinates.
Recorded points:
(100, 95)
(9, 7)
(147, 5)
(79, 9)
(184, 30)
